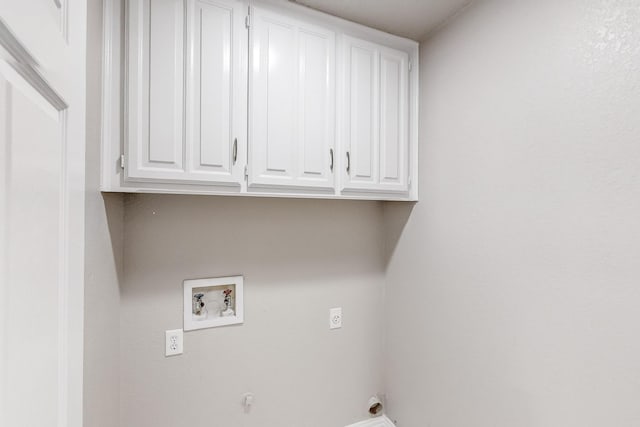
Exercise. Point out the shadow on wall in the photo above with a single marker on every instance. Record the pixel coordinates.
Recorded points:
(113, 206)
(202, 236)
(396, 216)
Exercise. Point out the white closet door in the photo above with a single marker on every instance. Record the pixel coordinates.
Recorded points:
(42, 166)
(376, 123)
(292, 118)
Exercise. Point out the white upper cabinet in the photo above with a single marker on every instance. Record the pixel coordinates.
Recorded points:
(376, 117)
(292, 96)
(186, 91)
(256, 97)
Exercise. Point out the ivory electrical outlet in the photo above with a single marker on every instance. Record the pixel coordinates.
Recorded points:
(335, 318)
(173, 342)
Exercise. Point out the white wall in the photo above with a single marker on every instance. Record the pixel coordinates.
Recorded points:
(516, 279)
(103, 256)
(299, 258)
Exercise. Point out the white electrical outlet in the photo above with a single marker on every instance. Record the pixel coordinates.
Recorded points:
(173, 342)
(335, 318)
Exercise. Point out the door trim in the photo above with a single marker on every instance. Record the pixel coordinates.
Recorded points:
(26, 66)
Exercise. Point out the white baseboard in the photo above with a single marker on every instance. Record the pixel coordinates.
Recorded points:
(382, 421)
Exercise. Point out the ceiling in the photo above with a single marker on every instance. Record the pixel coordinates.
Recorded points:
(408, 18)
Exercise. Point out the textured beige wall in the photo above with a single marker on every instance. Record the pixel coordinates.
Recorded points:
(516, 278)
(103, 256)
(299, 258)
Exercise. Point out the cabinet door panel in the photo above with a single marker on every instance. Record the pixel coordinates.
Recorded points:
(156, 94)
(274, 101)
(317, 98)
(393, 119)
(292, 102)
(280, 68)
(376, 128)
(166, 65)
(362, 114)
(216, 97)
(215, 87)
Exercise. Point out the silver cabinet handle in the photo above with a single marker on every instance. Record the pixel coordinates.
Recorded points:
(235, 150)
(348, 162)
(331, 155)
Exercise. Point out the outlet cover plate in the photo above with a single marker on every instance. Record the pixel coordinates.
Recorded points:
(173, 342)
(335, 318)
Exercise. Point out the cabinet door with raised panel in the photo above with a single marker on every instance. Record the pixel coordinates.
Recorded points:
(155, 134)
(376, 119)
(292, 103)
(186, 91)
(394, 120)
(217, 83)
(361, 108)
